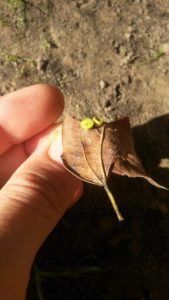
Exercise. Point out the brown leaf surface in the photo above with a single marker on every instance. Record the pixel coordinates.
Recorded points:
(127, 162)
(82, 155)
(73, 152)
(93, 154)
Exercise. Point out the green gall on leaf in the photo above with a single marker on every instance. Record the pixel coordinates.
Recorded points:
(87, 123)
(98, 122)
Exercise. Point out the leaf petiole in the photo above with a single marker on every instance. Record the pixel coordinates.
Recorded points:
(113, 202)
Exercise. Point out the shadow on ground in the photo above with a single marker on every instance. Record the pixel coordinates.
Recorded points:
(152, 146)
(96, 257)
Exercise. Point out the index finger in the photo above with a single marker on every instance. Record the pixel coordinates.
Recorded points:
(26, 112)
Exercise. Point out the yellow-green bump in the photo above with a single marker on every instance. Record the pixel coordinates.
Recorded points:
(87, 123)
(98, 122)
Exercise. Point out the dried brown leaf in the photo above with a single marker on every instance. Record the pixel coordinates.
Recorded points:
(93, 154)
(127, 162)
(73, 152)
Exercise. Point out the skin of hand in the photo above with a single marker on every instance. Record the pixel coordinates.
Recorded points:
(36, 190)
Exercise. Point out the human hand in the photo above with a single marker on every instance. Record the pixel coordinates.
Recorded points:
(36, 190)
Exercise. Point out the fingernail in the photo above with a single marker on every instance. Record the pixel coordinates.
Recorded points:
(55, 150)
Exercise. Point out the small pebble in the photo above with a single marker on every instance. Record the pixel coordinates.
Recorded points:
(103, 84)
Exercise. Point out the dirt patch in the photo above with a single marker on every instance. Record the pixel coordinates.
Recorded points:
(110, 58)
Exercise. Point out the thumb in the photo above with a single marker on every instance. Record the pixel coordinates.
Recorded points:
(34, 199)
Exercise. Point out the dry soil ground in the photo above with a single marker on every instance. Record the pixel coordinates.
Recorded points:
(110, 58)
